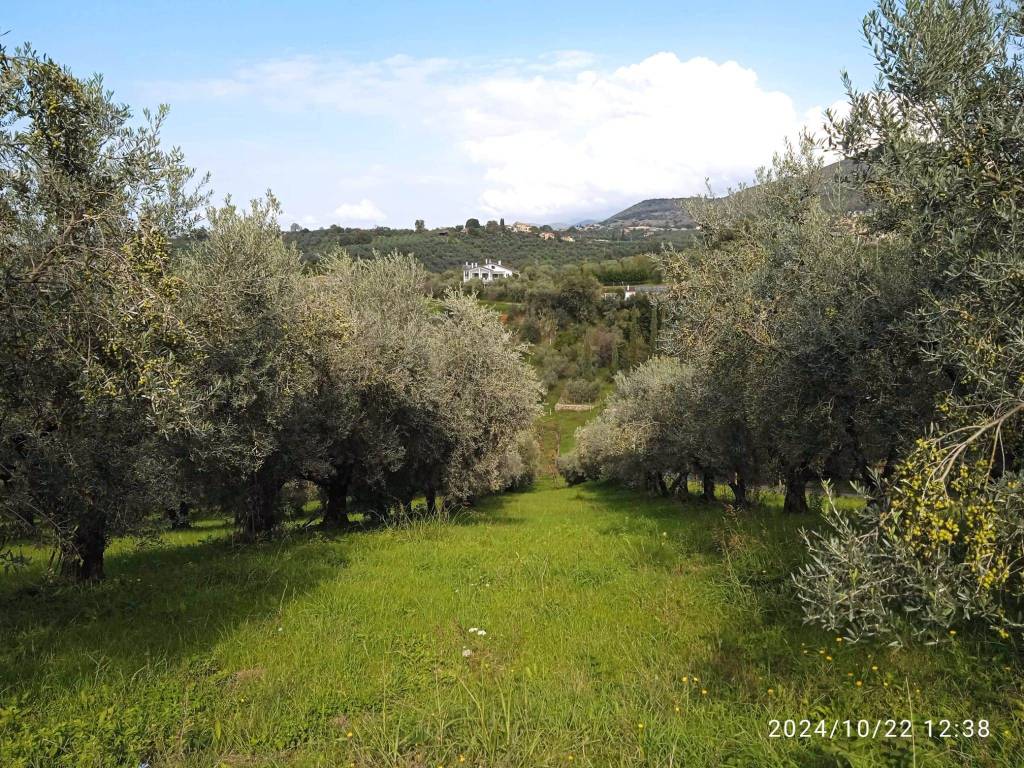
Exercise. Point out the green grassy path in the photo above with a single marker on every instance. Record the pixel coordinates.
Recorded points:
(556, 430)
(620, 631)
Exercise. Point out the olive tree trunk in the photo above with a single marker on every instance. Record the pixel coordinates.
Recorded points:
(178, 518)
(680, 485)
(796, 493)
(82, 556)
(739, 490)
(261, 513)
(336, 500)
(708, 483)
(660, 483)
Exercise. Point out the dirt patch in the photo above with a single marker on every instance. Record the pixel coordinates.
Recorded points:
(244, 676)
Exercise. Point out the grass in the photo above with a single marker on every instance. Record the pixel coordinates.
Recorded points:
(556, 430)
(607, 617)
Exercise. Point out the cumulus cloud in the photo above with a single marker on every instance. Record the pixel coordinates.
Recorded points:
(656, 128)
(363, 212)
(550, 137)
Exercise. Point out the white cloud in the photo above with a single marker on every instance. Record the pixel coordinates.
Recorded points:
(286, 219)
(363, 212)
(567, 60)
(545, 138)
(312, 82)
(657, 128)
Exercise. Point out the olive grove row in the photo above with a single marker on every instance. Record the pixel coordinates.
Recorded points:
(885, 347)
(147, 371)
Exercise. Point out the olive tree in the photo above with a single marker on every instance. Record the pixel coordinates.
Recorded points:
(640, 437)
(384, 377)
(250, 368)
(88, 202)
(440, 395)
(938, 147)
(489, 398)
(802, 320)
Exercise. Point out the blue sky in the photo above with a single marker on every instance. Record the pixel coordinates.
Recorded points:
(366, 113)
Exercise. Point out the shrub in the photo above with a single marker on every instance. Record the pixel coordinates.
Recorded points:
(570, 468)
(521, 465)
(926, 558)
(581, 391)
(529, 331)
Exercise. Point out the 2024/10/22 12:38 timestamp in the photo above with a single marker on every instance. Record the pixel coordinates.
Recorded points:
(878, 729)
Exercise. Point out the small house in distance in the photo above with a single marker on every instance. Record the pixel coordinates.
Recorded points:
(632, 290)
(489, 272)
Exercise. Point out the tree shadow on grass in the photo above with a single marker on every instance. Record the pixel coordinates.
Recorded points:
(482, 518)
(172, 601)
(159, 604)
(690, 521)
(696, 524)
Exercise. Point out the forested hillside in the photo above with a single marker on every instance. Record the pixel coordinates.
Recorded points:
(838, 192)
(441, 250)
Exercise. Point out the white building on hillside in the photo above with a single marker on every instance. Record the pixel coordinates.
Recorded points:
(489, 272)
(650, 291)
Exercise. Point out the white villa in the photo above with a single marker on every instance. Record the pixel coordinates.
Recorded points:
(650, 290)
(489, 272)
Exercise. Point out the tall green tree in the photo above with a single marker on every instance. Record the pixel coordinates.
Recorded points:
(250, 370)
(88, 202)
(938, 148)
(435, 410)
(805, 321)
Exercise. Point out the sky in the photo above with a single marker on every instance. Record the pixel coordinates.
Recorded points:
(379, 113)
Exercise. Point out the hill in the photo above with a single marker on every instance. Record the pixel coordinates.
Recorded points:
(659, 212)
(658, 222)
(441, 250)
(671, 212)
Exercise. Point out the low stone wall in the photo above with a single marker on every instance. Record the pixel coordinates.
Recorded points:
(574, 407)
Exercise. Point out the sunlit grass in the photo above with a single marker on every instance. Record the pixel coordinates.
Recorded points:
(620, 630)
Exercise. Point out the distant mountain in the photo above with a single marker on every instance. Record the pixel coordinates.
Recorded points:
(672, 213)
(659, 212)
